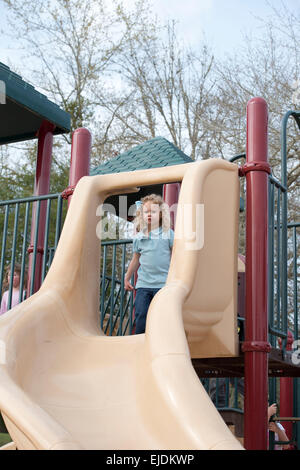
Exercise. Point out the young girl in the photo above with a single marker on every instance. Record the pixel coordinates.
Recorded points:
(277, 428)
(15, 298)
(152, 248)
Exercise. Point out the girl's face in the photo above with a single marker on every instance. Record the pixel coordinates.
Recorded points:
(151, 215)
(16, 279)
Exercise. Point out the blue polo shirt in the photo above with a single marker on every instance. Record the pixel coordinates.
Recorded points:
(155, 251)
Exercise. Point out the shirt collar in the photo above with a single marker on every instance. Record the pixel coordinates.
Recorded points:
(153, 234)
(156, 231)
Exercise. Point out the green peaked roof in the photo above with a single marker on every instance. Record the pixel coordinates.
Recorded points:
(153, 153)
(23, 109)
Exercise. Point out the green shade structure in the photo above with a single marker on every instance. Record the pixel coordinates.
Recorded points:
(153, 153)
(23, 109)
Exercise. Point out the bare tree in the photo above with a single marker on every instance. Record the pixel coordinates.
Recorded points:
(69, 45)
(130, 79)
(166, 90)
(267, 67)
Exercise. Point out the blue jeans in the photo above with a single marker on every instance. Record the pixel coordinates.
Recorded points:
(142, 301)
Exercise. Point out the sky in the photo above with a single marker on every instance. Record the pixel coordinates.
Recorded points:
(223, 22)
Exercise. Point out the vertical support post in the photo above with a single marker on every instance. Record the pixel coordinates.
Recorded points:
(80, 159)
(256, 346)
(287, 393)
(170, 196)
(41, 187)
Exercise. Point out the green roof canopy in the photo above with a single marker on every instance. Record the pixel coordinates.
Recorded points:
(23, 109)
(153, 153)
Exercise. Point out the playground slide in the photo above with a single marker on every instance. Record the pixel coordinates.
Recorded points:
(65, 385)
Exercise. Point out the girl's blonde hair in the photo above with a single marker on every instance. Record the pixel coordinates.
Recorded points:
(165, 221)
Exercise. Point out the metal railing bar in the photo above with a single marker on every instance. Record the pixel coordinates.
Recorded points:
(3, 248)
(116, 242)
(126, 313)
(109, 278)
(112, 287)
(105, 307)
(132, 322)
(58, 220)
(295, 276)
(46, 240)
(113, 302)
(13, 256)
(293, 224)
(277, 183)
(237, 157)
(278, 283)
(118, 314)
(29, 199)
(271, 254)
(277, 332)
(35, 245)
(103, 286)
(122, 287)
(24, 251)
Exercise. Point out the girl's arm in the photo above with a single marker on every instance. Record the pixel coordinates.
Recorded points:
(3, 307)
(280, 431)
(282, 436)
(134, 264)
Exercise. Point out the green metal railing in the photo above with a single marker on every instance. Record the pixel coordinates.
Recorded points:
(16, 217)
(283, 252)
(290, 290)
(283, 239)
(283, 280)
(226, 393)
(116, 304)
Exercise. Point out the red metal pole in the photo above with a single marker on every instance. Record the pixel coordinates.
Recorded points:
(41, 187)
(80, 159)
(256, 346)
(287, 393)
(170, 196)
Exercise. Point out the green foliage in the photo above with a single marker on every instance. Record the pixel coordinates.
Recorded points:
(4, 439)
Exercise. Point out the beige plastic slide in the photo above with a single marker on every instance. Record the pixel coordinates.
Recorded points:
(66, 385)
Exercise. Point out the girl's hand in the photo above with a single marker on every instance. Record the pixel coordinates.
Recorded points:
(133, 266)
(127, 285)
(273, 427)
(272, 410)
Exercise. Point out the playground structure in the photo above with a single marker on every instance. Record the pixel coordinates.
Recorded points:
(131, 385)
(34, 426)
